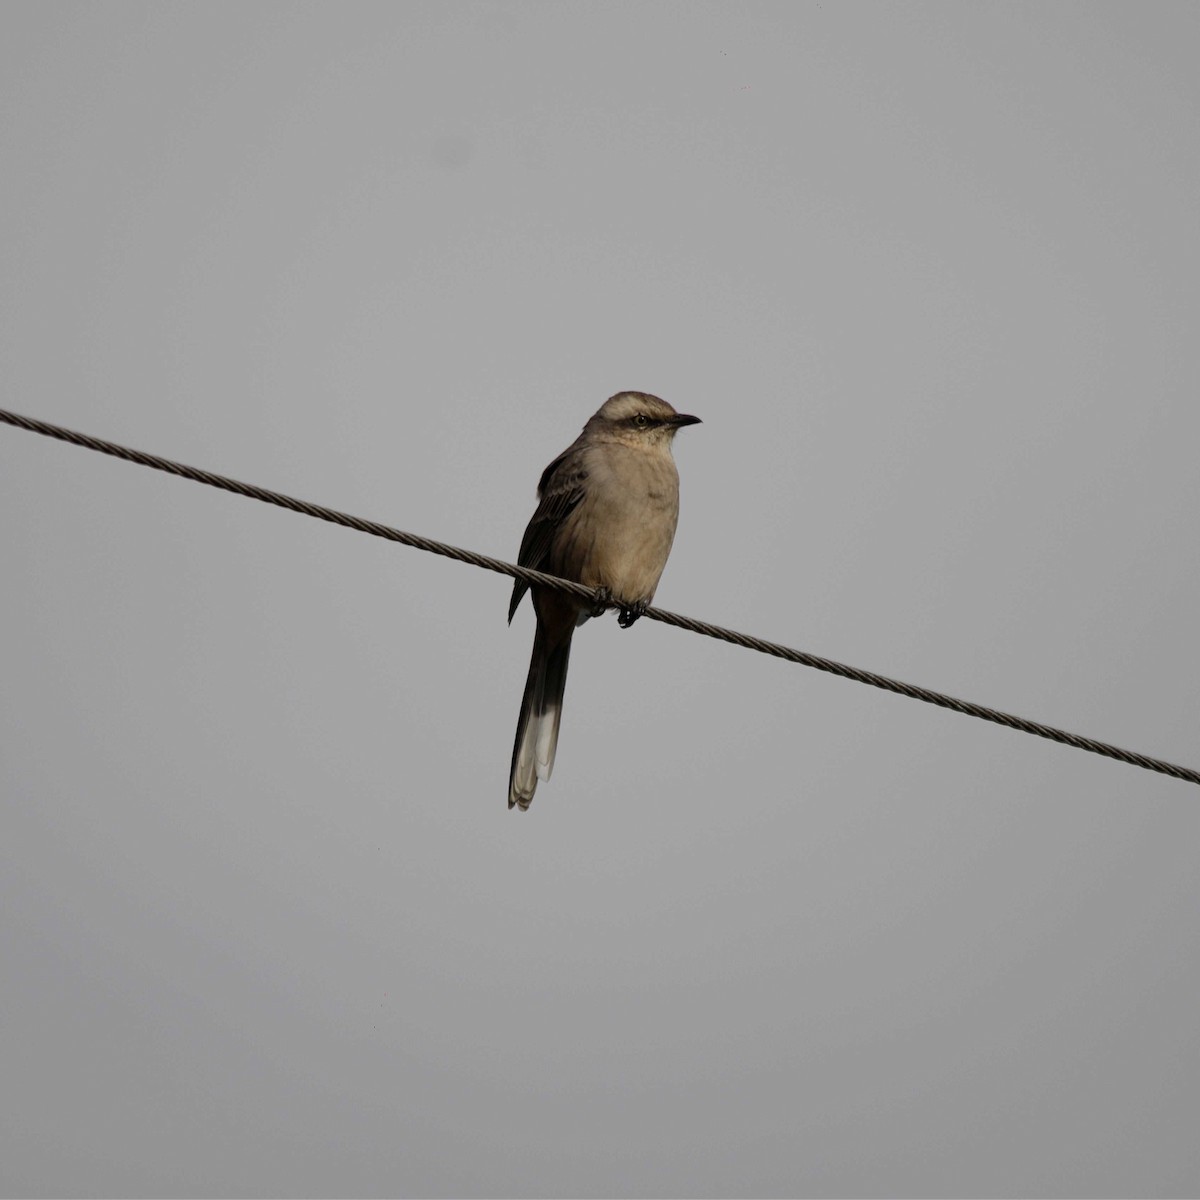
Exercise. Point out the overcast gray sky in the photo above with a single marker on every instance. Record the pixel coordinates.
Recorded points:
(928, 272)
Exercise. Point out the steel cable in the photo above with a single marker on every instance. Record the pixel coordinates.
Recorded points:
(375, 529)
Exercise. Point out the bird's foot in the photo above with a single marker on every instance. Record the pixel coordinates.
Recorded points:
(602, 603)
(628, 615)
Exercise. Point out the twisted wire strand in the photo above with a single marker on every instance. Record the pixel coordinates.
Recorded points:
(746, 641)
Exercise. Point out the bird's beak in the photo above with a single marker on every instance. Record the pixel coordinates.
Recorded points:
(679, 420)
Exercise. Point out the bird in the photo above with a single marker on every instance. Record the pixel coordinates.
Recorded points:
(607, 510)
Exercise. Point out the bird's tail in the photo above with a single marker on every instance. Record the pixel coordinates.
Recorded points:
(541, 710)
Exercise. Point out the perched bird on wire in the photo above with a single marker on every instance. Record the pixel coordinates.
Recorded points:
(608, 509)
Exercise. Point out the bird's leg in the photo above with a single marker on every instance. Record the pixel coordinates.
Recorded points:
(602, 603)
(627, 616)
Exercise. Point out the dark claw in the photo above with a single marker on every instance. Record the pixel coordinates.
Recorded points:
(629, 615)
(602, 603)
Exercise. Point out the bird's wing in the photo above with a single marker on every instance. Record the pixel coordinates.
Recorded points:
(559, 490)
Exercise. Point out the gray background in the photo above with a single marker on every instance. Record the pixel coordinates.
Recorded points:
(928, 273)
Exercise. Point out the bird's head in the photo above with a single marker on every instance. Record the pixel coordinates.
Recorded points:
(639, 418)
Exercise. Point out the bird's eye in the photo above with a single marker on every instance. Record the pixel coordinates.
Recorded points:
(641, 420)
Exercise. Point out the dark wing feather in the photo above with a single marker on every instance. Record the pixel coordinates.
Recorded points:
(559, 490)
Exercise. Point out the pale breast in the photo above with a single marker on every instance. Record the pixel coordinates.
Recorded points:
(620, 534)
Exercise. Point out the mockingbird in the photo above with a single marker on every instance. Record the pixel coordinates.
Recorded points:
(606, 517)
